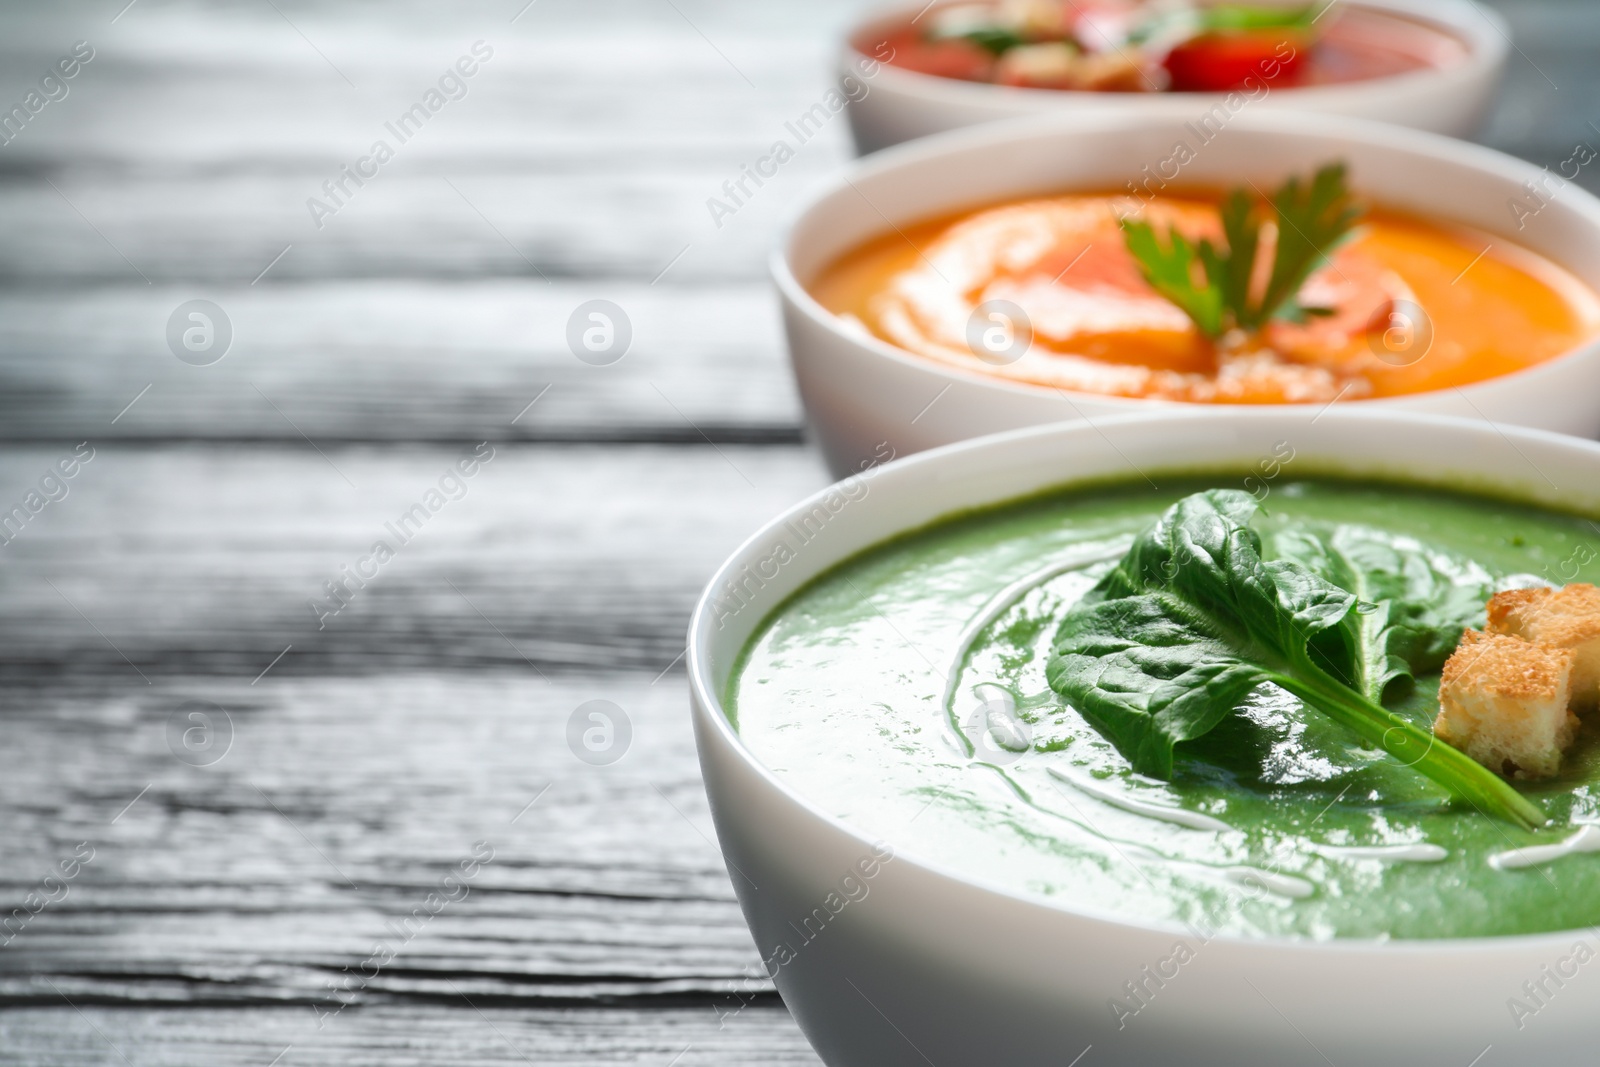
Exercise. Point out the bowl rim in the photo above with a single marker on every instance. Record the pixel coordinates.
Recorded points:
(1429, 148)
(707, 708)
(1483, 30)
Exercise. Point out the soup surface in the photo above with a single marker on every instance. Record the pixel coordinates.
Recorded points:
(1352, 43)
(1416, 307)
(867, 690)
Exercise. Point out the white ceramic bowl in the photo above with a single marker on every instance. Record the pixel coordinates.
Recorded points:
(860, 391)
(943, 967)
(899, 105)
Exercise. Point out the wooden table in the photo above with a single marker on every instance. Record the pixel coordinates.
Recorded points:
(267, 792)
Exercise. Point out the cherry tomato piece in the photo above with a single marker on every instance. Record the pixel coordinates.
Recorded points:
(1221, 62)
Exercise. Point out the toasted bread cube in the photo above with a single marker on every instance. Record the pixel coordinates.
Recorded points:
(1557, 618)
(1503, 701)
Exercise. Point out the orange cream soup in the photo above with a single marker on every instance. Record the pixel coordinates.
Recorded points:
(1488, 308)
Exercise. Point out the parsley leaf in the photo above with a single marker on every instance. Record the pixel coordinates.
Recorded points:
(1170, 270)
(1313, 221)
(1213, 285)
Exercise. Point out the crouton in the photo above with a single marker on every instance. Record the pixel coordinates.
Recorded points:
(1557, 618)
(1503, 701)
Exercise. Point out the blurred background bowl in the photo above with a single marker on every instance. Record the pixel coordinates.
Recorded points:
(861, 392)
(943, 966)
(899, 105)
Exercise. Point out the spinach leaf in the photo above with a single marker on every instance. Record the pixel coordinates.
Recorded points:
(1416, 601)
(1177, 634)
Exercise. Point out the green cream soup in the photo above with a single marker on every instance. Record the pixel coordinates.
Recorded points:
(905, 693)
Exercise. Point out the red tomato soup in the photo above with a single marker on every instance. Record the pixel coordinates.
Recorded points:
(1127, 46)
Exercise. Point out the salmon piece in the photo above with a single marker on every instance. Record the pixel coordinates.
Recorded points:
(1362, 292)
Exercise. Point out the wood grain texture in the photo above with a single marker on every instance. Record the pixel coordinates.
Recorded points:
(203, 559)
(366, 762)
(398, 360)
(417, 1035)
(313, 845)
(181, 164)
